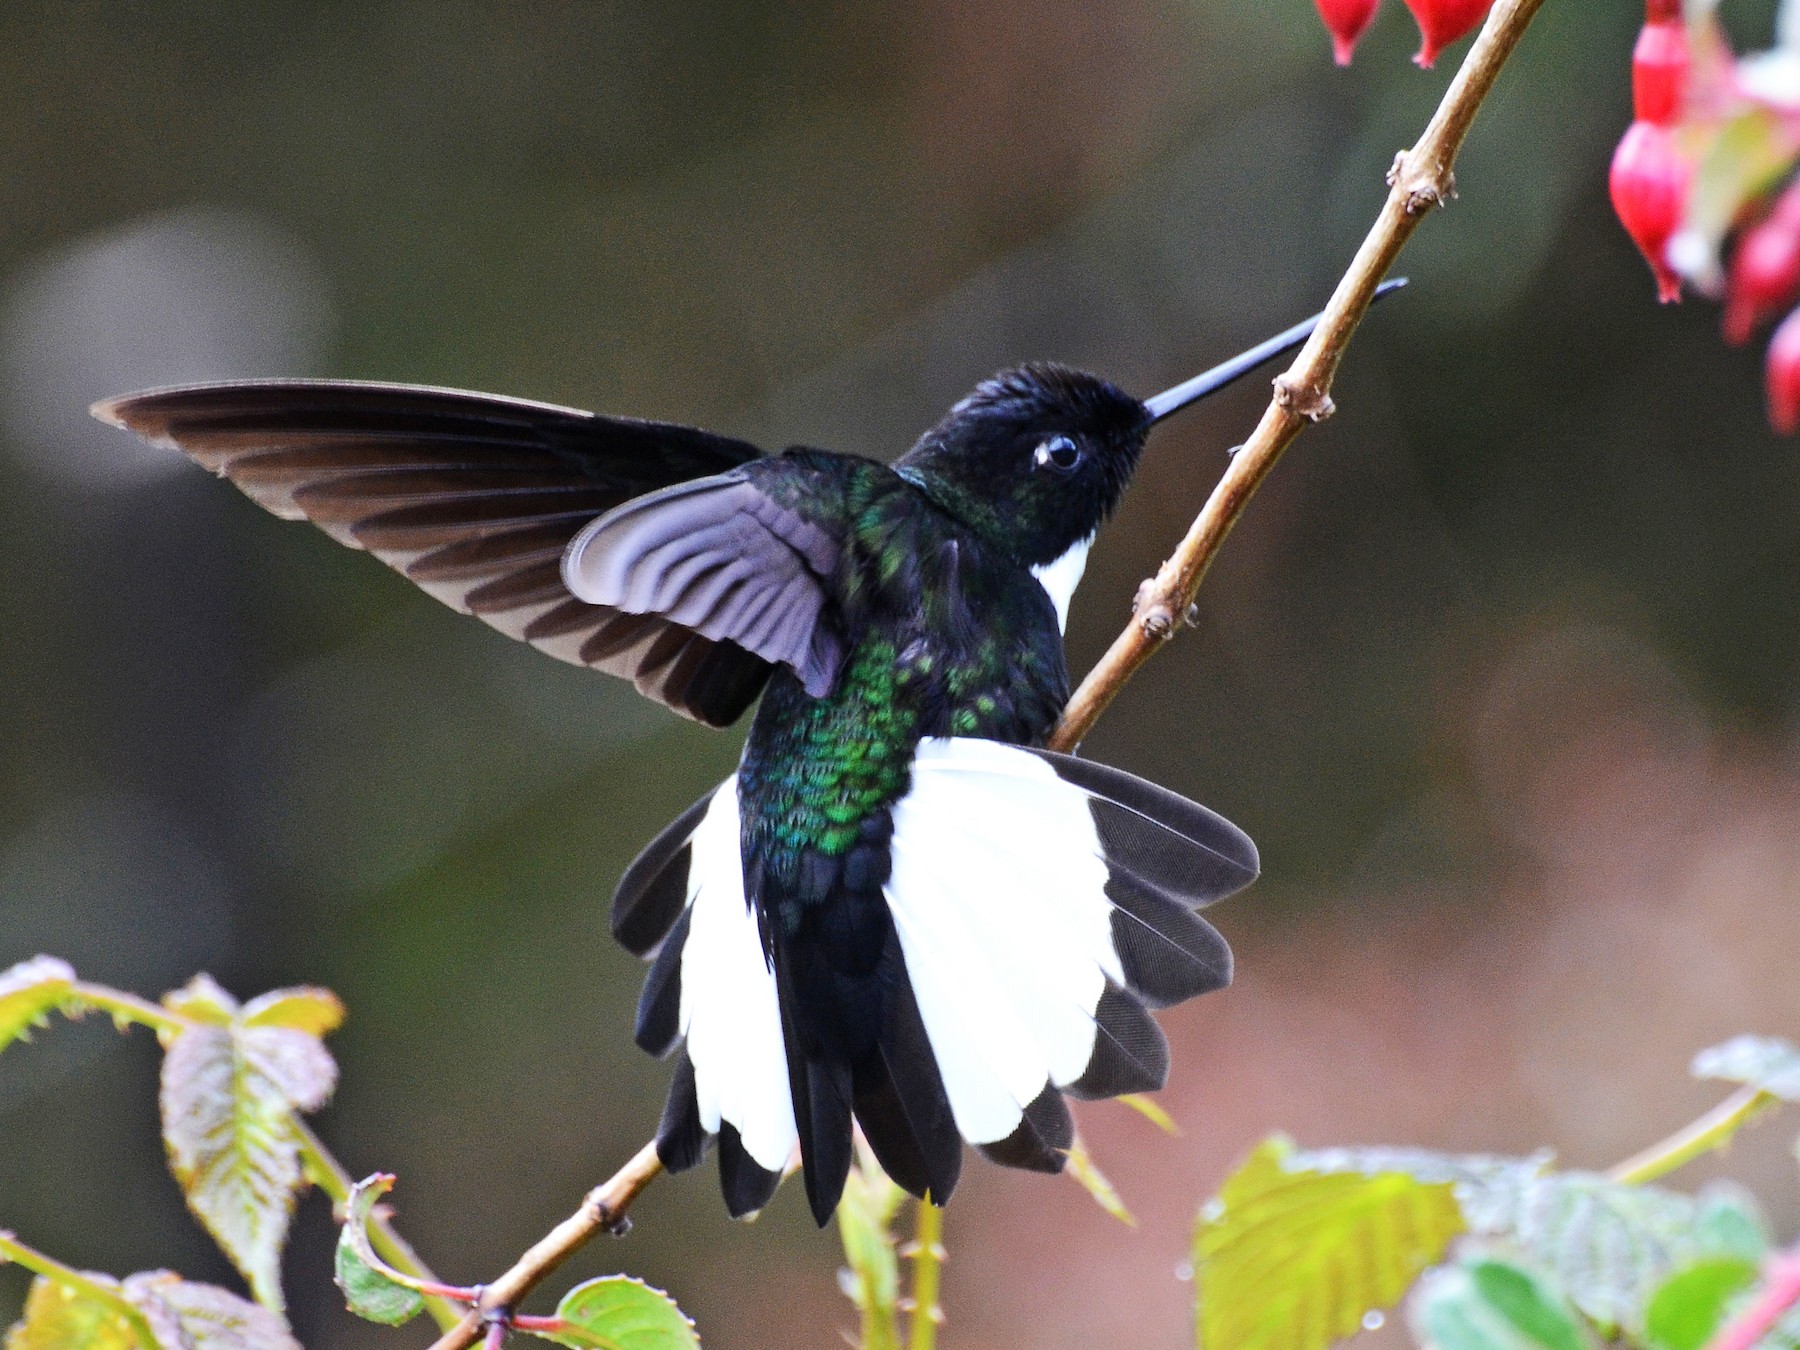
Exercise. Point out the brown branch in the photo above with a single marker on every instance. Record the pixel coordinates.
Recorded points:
(601, 1209)
(1421, 179)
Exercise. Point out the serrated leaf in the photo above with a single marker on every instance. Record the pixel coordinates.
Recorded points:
(1731, 1223)
(1092, 1180)
(1765, 1062)
(1486, 1186)
(58, 1317)
(228, 1096)
(1151, 1111)
(1687, 1308)
(314, 1011)
(367, 1292)
(1293, 1259)
(616, 1312)
(1485, 1304)
(204, 1000)
(30, 991)
(1605, 1243)
(204, 1316)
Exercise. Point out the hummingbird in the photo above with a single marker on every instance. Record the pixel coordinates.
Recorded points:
(901, 911)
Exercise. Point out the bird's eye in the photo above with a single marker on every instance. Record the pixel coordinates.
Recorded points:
(1059, 453)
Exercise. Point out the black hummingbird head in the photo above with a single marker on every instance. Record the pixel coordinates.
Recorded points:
(1035, 457)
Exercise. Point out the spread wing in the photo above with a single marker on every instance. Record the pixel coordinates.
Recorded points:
(718, 556)
(476, 498)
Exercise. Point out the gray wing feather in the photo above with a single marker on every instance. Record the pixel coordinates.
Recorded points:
(720, 557)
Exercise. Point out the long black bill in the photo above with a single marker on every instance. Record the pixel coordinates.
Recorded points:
(1207, 382)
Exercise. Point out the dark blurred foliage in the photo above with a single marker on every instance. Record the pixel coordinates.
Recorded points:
(1500, 669)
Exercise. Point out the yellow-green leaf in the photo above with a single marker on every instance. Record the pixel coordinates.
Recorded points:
(204, 1316)
(229, 1094)
(1094, 1182)
(58, 1317)
(619, 1313)
(204, 1000)
(1294, 1260)
(317, 1012)
(367, 1292)
(30, 991)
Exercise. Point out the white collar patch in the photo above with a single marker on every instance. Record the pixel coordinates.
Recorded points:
(1060, 578)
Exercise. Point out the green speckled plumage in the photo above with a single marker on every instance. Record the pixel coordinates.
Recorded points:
(948, 635)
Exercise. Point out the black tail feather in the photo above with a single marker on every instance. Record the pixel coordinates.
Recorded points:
(747, 1186)
(820, 1086)
(680, 1138)
(1043, 1139)
(900, 1098)
(1131, 1054)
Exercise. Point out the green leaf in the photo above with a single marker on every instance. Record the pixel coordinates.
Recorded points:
(1605, 1243)
(58, 1317)
(367, 1292)
(191, 1316)
(619, 1313)
(30, 991)
(1730, 1223)
(204, 1000)
(1288, 1258)
(229, 1093)
(1486, 1304)
(317, 1012)
(1093, 1181)
(1764, 1062)
(1688, 1307)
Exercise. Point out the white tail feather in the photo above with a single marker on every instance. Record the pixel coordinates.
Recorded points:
(998, 894)
(728, 1007)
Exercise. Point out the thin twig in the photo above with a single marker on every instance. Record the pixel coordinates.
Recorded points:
(601, 1209)
(11, 1249)
(1781, 1292)
(928, 1267)
(1710, 1131)
(1421, 179)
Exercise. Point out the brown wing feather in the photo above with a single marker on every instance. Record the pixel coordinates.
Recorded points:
(472, 496)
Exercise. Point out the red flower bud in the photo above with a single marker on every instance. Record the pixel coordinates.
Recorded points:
(1784, 376)
(1347, 20)
(1441, 22)
(1659, 71)
(1765, 269)
(1649, 192)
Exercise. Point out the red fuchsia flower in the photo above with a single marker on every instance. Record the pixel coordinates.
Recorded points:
(1659, 71)
(1765, 269)
(1441, 22)
(1649, 183)
(1784, 376)
(1347, 21)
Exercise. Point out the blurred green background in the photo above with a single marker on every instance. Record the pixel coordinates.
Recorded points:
(1501, 670)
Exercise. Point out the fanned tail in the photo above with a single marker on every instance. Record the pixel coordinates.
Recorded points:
(992, 943)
